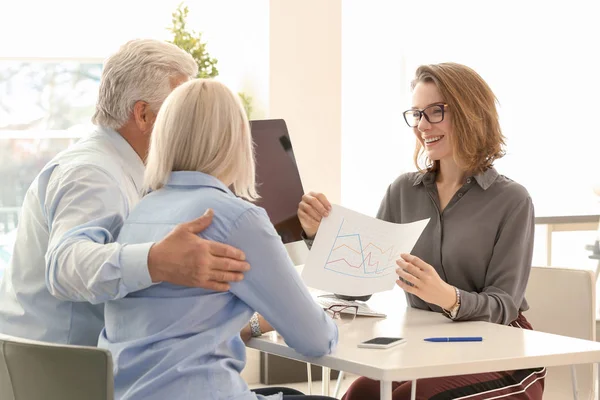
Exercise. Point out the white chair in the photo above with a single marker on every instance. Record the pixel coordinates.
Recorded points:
(562, 301)
(37, 370)
(595, 249)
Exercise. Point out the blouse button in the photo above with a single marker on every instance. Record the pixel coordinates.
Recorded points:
(460, 195)
(469, 180)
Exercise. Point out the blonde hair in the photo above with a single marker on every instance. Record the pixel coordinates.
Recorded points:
(141, 69)
(202, 126)
(476, 137)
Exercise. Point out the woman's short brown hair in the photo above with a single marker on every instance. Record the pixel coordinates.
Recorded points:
(477, 139)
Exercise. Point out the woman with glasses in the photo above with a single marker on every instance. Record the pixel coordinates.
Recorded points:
(175, 342)
(473, 260)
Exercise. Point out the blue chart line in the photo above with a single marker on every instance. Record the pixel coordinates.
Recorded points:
(349, 257)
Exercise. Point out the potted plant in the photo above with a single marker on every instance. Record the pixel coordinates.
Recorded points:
(191, 42)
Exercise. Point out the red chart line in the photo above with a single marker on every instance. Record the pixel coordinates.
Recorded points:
(356, 266)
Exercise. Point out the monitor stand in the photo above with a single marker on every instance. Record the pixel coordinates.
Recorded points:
(353, 298)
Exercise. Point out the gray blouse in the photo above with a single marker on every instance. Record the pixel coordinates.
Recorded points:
(482, 242)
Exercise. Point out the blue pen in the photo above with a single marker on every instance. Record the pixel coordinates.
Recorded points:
(455, 339)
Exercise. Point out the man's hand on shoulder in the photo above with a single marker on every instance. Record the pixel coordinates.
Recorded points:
(183, 258)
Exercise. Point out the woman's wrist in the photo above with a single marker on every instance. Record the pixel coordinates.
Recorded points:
(450, 299)
(264, 325)
(246, 333)
(306, 236)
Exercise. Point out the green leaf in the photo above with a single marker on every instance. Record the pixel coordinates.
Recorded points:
(247, 102)
(190, 41)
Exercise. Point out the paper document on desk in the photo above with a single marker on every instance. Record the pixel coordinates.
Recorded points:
(355, 255)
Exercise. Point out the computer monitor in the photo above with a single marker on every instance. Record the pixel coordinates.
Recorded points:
(277, 177)
(280, 187)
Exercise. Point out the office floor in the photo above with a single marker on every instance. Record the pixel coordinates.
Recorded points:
(316, 385)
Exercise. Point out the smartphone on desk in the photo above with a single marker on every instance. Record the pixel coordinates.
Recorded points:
(381, 342)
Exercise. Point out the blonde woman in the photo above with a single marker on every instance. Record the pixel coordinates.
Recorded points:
(474, 257)
(173, 342)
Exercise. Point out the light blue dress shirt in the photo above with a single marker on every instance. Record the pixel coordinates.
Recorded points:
(65, 262)
(172, 342)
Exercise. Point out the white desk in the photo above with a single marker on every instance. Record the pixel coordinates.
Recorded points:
(504, 348)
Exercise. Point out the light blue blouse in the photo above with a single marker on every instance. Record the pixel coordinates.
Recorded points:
(173, 342)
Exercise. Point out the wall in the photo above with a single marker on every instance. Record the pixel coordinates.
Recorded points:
(305, 87)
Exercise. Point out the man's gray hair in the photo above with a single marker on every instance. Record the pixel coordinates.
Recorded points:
(141, 70)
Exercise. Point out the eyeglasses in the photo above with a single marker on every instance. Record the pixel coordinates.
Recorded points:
(434, 114)
(342, 313)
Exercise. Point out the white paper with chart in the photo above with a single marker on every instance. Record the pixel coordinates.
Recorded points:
(355, 255)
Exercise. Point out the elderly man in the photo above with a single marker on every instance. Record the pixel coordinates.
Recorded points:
(65, 262)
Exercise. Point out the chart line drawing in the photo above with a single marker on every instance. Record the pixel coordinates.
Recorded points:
(349, 257)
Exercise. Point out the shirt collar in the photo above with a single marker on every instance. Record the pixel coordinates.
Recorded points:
(424, 177)
(195, 178)
(132, 162)
(484, 179)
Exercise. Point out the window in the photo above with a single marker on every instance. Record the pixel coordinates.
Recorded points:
(44, 107)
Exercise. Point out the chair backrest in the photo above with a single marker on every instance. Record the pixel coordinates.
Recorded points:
(36, 370)
(562, 301)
